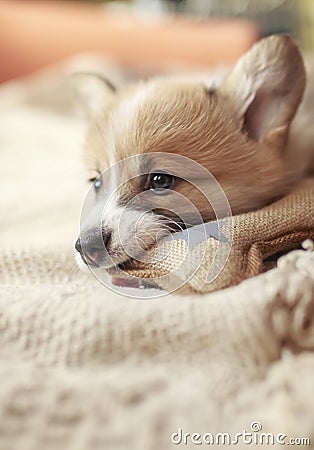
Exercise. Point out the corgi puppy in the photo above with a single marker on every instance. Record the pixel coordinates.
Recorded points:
(243, 131)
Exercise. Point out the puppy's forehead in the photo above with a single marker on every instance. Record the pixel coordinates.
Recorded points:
(162, 116)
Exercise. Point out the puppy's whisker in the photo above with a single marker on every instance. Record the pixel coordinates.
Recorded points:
(141, 241)
(175, 227)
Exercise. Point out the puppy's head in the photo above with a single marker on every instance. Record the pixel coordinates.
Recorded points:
(144, 136)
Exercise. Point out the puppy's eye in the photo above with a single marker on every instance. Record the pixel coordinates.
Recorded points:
(161, 181)
(97, 183)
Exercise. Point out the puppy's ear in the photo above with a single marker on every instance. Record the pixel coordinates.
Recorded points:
(266, 87)
(93, 92)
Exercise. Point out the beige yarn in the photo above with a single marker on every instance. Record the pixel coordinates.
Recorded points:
(83, 368)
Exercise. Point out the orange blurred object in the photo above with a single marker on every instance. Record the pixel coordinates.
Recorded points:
(34, 34)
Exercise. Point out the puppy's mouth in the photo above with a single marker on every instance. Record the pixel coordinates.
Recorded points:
(137, 256)
(138, 283)
(124, 266)
(121, 273)
(120, 265)
(121, 276)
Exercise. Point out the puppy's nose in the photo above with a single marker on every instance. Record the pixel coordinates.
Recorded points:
(78, 246)
(91, 245)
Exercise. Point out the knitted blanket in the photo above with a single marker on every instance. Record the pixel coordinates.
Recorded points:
(84, 368)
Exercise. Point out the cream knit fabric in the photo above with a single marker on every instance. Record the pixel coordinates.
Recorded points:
(82, 368)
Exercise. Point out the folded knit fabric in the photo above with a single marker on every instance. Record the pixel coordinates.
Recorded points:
(82, 368)
(257, 236)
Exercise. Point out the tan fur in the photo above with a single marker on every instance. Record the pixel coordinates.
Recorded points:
(239, 132)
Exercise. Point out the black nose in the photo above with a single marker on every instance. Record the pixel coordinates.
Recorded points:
(78, 246)
(92, 246)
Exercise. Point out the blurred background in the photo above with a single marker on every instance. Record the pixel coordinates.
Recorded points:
(151, 35)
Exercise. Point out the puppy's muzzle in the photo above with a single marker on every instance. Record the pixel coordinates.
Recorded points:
(92, 247)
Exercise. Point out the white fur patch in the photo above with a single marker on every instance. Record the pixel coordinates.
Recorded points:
(120, 121)
(124, 115)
